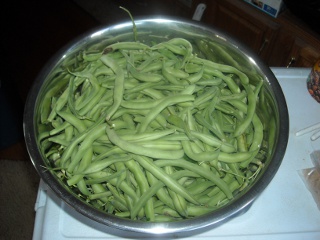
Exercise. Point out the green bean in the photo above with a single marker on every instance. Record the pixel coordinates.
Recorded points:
(213, 141)
(75, 179)
(258, 129)
(179, 202)
(219, 197)
(137, 149)
(171, 47)
(126, 45)
(160, 144)
(204, 49)
(214, 128)
(250, 112)
(97, 166)
(61, 102)
(153, 67)
(272, 135)
(119, 124)
(168, 75)
(73, 120)
(92, 93)
(202, 172)
(228, 80)
(83, 187)
(98, 188)
(93, 101)
(177, 72)
(170, 100)
(234, 167)
(206, 96)
(223, 54)
(200, 187)
(161, 175)
(193, 68)
(186, 44)
(59, 140)
(257, 89)
(199, 210)
(146, 77)
(235, 157)
(58, 83)
(148, 136)
(222, 68)
(156, 186)
(103, 70)
(140, 104)
(167, 211)
(198, 146)
(120, 167)
(122, 111)
(85, 146)
(195, 77)
(194, 182)
(227, 178)
(257, 140)
(178, 122)
(117, 196)
(143, 186)
(153, 93)
(109, 152)
(86, 159)
(210, 82)
(236, 96)
(119, 84)
(92, 56)
(191, 122)
(149, 58)
(228, 109)
(69, 132)
(104, 178)
(141, 86)
(188, 89)
(105, 194)
(123, 214)
(129, 121)
(241, 143)
(123, 186)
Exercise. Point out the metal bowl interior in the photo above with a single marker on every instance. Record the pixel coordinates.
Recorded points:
(149, 30)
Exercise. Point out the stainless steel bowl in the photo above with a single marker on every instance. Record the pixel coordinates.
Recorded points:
(149, 30)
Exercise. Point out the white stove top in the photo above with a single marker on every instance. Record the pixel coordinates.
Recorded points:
(285, 210)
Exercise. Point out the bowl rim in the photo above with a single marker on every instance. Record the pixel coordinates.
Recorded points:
(210, 220)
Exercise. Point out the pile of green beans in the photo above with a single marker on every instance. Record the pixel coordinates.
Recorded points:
(153, 132)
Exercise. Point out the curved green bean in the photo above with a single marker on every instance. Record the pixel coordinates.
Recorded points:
(202, 172)
(137, 149)
(164, 177)
(118, 87)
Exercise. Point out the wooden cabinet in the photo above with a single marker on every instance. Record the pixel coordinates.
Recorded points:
(292, 51)
(280, 42)
(296, 45)
(232, 18)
